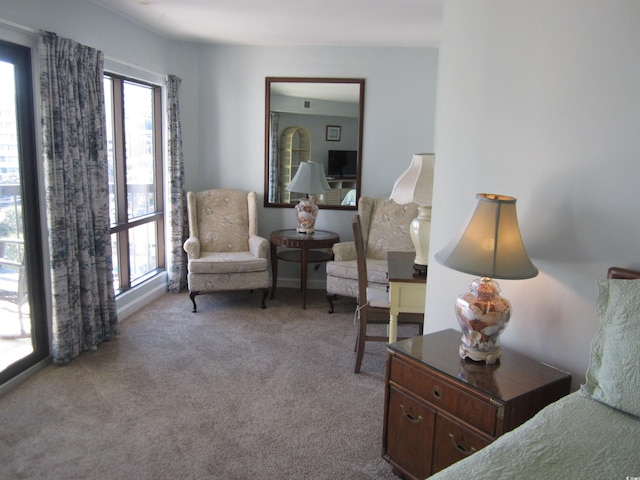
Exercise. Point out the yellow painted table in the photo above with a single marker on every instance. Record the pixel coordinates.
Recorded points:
(407, 289)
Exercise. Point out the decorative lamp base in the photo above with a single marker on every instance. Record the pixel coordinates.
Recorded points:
(419, 231)
(482, 314)
(479, 356)
(306, 213)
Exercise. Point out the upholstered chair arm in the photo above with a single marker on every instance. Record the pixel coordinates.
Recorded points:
(343, 251)
(192, 247)
(258, 246)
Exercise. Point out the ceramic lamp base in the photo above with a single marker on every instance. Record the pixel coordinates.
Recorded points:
(482, 314)
(306, 213)
(420, 231)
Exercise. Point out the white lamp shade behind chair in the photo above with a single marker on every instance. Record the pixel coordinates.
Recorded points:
(415, 185)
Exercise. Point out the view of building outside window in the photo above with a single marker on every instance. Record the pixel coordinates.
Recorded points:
(14, 305)
(132, 177)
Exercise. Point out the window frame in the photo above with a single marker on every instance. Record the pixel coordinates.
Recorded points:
(124, 224)
(33, 255)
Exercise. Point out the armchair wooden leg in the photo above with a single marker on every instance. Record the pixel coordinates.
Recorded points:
(330, 299)
(192, 296)
(265, 292)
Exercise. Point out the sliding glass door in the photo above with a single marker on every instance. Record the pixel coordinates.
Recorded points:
(23, 326)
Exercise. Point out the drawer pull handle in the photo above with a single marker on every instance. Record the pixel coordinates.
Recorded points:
(437, 392)
(461, 448)
(410, 417)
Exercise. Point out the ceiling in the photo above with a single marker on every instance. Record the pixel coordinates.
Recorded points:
(359, 23)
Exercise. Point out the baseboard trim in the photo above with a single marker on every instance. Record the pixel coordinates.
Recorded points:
(136, 298)
(23, 376)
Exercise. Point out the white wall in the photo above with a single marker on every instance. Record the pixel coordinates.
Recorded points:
(400, 86)
(222, 100)
(540, 100)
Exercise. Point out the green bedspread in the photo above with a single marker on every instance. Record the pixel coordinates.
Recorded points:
(574, 438)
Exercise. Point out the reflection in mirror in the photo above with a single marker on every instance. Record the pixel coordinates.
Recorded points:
(319, 120)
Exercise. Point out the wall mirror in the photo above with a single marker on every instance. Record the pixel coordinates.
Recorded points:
(318, 120)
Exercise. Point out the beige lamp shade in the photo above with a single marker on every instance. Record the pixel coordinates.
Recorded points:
(491, 245)
(415, 185)
(309, 179)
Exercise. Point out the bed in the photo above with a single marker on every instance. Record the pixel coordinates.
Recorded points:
(593, 433)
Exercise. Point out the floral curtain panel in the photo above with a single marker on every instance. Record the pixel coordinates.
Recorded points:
(177, 268)
(75, 161)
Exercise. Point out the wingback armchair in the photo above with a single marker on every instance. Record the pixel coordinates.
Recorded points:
(385, 226)
(224, 250)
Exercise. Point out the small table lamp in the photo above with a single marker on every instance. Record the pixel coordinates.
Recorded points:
(416, 185)
(311, 180)
(491, 247)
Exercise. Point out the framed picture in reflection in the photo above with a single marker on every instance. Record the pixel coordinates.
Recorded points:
(333, 133)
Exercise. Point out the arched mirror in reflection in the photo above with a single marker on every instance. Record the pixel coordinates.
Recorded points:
(318, 120)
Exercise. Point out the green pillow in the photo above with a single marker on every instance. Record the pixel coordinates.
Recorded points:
(613, 376)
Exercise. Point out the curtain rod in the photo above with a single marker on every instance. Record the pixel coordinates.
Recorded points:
(36, 32)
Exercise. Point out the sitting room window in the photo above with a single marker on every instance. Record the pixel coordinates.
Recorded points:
(134, 136)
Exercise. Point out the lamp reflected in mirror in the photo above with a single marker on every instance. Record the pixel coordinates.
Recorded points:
(311, 180)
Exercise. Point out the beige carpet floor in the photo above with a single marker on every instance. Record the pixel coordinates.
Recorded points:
(230, 392)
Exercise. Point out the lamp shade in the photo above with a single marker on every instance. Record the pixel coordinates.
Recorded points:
(319, 172)
(491, 245)
(416, 183)
(309, 179)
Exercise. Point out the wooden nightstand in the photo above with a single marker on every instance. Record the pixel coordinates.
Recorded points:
(440, 408)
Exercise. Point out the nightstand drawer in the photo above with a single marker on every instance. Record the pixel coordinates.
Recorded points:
(453, 442)
(410, 434)
(458, 403)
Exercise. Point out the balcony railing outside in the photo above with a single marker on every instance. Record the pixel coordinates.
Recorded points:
(15, 320)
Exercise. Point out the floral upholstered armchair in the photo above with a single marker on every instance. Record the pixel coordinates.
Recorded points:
(385, 226)
(224, 249)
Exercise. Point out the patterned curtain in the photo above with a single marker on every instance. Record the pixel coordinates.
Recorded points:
(75, 162)
(274, 158)
(177, 267)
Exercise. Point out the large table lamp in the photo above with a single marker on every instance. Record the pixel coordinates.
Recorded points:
(311, 180)
(415, 185)
(491, 247)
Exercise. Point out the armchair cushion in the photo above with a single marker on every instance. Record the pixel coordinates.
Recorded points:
(227, 262)
(222, 219)
(385, 226)
(344, 251)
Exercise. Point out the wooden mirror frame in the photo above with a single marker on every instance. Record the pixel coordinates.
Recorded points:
(267, 134)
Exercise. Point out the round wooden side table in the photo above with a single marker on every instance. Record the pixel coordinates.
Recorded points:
(304, 251)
